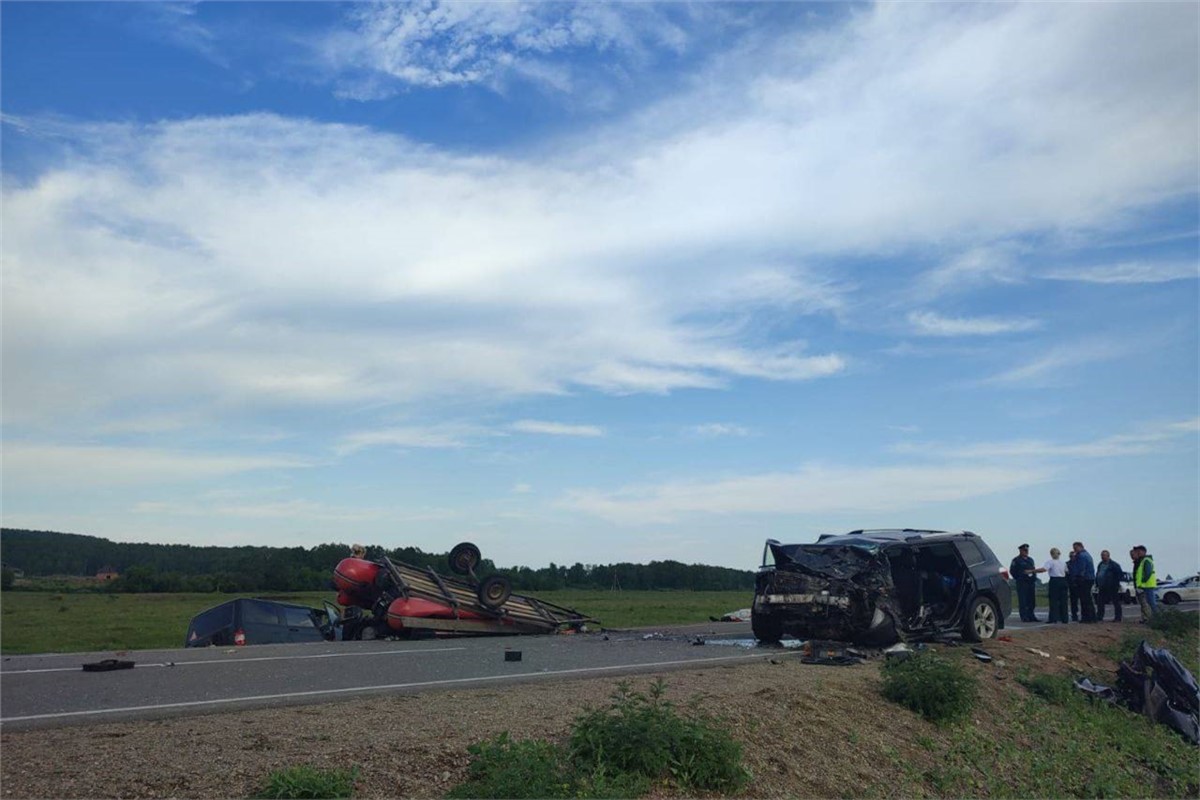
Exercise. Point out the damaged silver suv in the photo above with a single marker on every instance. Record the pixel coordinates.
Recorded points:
(878, 586)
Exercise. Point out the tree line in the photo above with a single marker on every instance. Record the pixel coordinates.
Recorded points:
(145, 567)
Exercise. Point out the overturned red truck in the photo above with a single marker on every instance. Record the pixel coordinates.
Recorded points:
(390, 598)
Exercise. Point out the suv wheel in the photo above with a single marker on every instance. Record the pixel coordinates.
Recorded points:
(982, 622)
(767, 627)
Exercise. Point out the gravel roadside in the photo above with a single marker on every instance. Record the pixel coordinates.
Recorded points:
(807, 731)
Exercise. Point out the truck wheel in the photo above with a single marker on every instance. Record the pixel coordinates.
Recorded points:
(982, 620)
(767, 627)
(464, 558)
(494, 591)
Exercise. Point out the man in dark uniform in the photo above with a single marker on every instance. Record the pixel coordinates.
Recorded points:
(1073, 585)
(1108, 586)
(1021, 570)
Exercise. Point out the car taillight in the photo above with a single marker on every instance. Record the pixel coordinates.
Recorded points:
(239, 638)
(1004, 573)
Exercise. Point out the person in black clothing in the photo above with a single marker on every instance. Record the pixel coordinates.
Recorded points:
(1022, 571)
(1108, 586)
(1073, 585)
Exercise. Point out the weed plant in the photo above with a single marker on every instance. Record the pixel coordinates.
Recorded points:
(1056, 689)
(309, 783)
(645, 734)
(530, 768)
(624, 750)
(937, 689)
(1175, 624)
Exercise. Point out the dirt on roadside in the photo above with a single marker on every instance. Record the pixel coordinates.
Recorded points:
(808, 731)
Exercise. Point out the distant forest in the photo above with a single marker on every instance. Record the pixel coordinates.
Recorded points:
(185, 568)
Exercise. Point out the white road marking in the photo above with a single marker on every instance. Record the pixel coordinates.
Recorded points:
(244, 660)
(353, 690)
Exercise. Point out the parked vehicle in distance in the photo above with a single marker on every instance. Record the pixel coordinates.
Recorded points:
(1172, 592)
(256, 621)
(879, 586)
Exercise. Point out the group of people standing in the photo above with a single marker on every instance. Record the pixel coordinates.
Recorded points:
(1072, 582)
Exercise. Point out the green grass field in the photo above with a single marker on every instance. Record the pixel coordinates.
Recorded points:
(49, 622)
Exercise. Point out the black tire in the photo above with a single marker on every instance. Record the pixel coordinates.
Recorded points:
(464, 558)
(494, 591)
(1171, 598)
(767, 627)
(982, 620)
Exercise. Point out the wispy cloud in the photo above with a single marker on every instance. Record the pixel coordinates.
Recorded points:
(810, 490)
(81, 466)
(440, 436)
(1152, 438)
(388, 47)
(1128, 272)
(179, 24)
(929, 323)
(978, 267)
(556, 428)
(1058, 364)
(288, 509)
(716, 429)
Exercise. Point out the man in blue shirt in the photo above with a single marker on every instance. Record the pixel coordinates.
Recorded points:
(1085, 579)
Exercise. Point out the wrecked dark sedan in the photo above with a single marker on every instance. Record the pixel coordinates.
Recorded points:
(877, 587)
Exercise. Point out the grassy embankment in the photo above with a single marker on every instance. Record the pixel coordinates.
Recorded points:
(50, 622)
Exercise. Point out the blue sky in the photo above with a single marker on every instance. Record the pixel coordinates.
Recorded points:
(602, 281)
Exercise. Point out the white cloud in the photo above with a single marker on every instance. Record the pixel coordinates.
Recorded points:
(69, 467)
(929, 323)
(286, 509)
(1057, 364)
(556, 428)
(976, 268)
(1127, 272)
(437, 44)
(810, 490)
(1152, 438)
(714, 429)
(254, 263)
(444, 436)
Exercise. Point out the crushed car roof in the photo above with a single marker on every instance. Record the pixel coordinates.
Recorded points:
(882, 536)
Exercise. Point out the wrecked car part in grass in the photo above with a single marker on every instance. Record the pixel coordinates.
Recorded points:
(1156, 684)
(876, 587)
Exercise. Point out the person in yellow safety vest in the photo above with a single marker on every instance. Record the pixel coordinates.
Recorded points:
(1145, 582)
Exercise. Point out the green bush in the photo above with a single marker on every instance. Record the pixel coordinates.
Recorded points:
(503, 768)
(647, 735)
(309, 783)
(616, 752)
(935, 688)
(1057, 689)
(1175, 624)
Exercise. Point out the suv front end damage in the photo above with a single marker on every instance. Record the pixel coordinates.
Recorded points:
(842, 593)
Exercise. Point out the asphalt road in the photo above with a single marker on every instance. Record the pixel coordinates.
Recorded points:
(52, 690)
